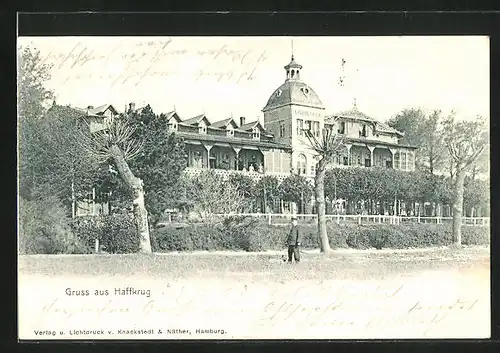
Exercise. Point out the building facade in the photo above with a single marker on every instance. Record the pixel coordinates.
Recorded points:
(278, 146)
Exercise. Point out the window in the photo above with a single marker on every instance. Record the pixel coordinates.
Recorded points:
(396, 160)
(300, 127)
(308, 125)
(255, 133)
(341, 129)
(282, 130)
(316, 129)
(313, 169)
(362, 131)
(346, 160)
(411, 161)
(301, 164)
(403, 161)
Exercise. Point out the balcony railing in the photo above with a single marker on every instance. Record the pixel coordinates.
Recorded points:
(225, 173)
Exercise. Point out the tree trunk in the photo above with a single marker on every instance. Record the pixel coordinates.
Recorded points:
(73, 202)
(319, 189)
(458, 201)
(136, 185)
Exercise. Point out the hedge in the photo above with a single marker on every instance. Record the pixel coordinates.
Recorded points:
(250, 234)
(116, 233)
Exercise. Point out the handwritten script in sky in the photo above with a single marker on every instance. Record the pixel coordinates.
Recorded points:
(139, 63)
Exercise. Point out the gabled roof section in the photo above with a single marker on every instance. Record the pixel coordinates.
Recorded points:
(173, 115)
(251, 125)
(356, 114)
(225, 123)
(196, 120)
(90, 111)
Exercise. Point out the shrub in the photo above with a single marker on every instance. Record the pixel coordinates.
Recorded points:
(117, 233)
(44, 228)
(252, 234)
(476, 235)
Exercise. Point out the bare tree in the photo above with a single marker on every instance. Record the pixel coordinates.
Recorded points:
(326, 148)
(210, 195)
(466, 141)
(117, 143)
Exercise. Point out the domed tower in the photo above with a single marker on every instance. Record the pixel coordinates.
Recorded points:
(293, 107)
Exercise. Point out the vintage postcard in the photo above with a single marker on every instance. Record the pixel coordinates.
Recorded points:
(253, 188)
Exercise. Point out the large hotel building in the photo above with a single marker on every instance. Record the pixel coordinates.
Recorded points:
(277, 145)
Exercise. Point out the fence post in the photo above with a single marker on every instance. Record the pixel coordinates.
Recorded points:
(359, 219)
(338, 219)
(269, 218)
(379, 219)
(96, 245)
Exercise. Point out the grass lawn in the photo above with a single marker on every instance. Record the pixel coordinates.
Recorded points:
(425, 293)
(339, 265)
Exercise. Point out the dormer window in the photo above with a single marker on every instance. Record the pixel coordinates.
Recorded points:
(202, 129)
(305, 90)
(255, 133)
(229, 131)
(172, 125)
(279, 93)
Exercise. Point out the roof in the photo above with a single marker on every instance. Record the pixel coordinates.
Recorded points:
(356, 114)
(251, 125)
(378, 142)
(196, 120)
(173, 114)
(232, 140)
(76, 111)
(293, 92)
(293, 64)
(224, 123)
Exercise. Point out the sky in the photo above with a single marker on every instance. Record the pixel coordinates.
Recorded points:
(235, 76)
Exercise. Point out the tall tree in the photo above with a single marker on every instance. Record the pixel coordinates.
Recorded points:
(326, 148)
(267, 190)
(161, 163)
(422, 130)
(466, 141)
(116, 144)
(296, 188)
(33, 97)
(245, 186)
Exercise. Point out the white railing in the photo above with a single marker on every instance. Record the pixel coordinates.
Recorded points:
(281, 219)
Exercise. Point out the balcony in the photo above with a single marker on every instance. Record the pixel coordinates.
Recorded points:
(225, 173)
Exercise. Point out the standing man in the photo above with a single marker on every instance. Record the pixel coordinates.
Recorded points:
(293, 241)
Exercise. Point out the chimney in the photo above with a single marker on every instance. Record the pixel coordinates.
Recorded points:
(242, 121)
(131, 107)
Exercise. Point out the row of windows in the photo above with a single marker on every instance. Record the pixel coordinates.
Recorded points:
(312, 126)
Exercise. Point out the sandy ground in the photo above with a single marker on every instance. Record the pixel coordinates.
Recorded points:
(431, 293)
